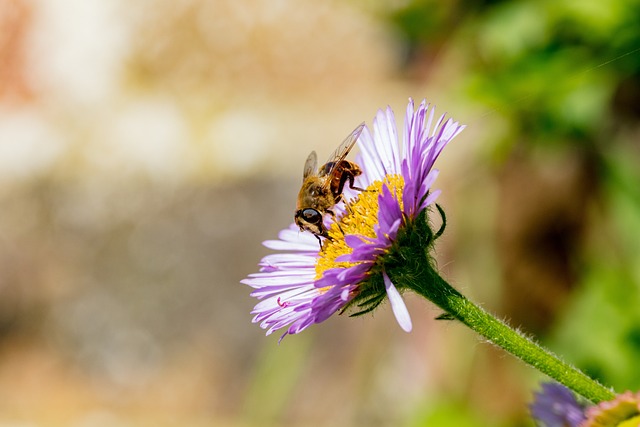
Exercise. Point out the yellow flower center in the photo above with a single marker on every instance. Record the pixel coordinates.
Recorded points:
(360, 218)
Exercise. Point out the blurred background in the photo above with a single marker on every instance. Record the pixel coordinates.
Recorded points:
(148, 148)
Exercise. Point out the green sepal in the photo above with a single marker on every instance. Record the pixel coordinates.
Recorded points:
(445, 316)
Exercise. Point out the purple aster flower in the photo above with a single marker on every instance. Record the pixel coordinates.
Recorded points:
(305, 283)
(556, 406)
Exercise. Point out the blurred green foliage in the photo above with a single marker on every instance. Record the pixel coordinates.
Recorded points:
(564, 76)
(554, 68)
(601, 329)
(445, 414)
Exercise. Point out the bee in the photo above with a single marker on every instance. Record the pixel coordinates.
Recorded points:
(322, 188)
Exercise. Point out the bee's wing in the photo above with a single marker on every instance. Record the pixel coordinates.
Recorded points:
(343, 149)
(310, 165)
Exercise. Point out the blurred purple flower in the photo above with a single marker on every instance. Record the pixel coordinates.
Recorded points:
(556, 406)
(304, 284)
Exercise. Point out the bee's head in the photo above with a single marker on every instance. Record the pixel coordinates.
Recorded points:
(309, 219)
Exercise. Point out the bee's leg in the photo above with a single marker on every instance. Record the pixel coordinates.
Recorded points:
(351, 178)
(346, 176)
(323, 233)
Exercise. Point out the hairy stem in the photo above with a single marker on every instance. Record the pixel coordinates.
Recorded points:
(429, 284)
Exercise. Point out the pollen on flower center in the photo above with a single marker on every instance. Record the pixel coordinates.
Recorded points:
(359, 219)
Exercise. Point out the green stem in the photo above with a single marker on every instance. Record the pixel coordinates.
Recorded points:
(430, 285)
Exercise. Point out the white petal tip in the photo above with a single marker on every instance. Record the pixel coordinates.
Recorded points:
(397, 305)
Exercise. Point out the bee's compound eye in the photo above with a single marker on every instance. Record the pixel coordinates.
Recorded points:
(311, 215)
